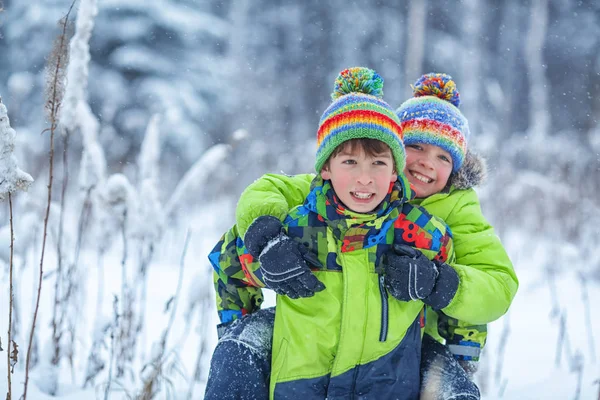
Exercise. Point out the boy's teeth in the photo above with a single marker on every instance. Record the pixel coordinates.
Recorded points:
(362, 195)
(421, 177)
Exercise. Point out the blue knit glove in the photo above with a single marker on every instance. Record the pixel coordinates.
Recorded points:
(410, 275)
(283, 261)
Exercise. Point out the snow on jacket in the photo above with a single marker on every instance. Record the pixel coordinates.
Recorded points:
(482, 263)
(352, 338)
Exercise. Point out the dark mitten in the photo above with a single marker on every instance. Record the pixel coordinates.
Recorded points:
(283, 261)
(445, 288)
(410, 275)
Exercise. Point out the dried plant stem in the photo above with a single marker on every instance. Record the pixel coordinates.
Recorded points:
(53, 106)
(563, 340)
(41, 270)
(112, 346)
(198, 368)
(157, 362)
(588, 317)
(143, 278)
(178, 290)
(57, 322)
(577, 366)
(550, 274)
(126, 344)
(203, 324)
(10, 300)
(560, 340)
(502, 348)
(83, 219)
(100, 293)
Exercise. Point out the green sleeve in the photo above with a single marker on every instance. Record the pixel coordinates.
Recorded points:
(271, 194)
(488, 282)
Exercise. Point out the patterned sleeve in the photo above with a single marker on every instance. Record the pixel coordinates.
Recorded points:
(237, 278)
(425, 232)
(464, 340)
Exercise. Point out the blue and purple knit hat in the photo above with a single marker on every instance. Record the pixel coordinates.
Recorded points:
(358, 112)
(432, 116)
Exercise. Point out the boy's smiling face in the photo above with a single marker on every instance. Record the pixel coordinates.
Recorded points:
(360, 181)
(428, 168)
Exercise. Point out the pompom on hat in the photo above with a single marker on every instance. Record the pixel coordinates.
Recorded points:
(358, 112)
(432, 116)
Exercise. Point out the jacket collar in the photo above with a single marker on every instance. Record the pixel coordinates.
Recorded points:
(323, 201)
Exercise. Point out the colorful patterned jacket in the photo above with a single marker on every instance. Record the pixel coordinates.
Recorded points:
(481, 261)
(353, 334)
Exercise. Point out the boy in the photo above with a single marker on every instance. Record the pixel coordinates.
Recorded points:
(337, 333)
(442, 173)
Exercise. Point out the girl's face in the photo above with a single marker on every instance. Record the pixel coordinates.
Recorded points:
(428, 168)
(360, 181)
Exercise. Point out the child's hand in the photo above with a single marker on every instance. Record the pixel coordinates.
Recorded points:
(282, 260)
(410, 275)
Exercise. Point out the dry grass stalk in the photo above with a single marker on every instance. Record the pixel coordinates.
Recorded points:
(10, 302)
(588, 316)
(502, 348)
(56, 71)
(57, 321)
(126, 339)
(151, 384)
(112, 346)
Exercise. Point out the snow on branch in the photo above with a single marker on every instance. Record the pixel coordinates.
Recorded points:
(150, 151)
(197, 175)
(12, 178)
(76, 114)
(119, 196)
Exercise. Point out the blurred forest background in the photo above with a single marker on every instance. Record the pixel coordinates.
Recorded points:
(257, 74)
(524, 69)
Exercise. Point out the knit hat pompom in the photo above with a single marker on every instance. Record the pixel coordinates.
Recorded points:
(439, 85)
(358, 80)
(358, 111)
(432, 116)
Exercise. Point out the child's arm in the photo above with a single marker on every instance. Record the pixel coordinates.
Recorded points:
(464, 340)
(488, 282)
(237, 287)
(273, 195)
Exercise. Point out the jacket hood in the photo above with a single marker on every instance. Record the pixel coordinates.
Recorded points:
(472, 173)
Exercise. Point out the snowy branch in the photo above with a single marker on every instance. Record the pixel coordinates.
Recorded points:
(12, 178)
(197, 175)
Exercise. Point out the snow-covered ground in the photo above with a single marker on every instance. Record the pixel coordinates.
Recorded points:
(529, 363)
(539, 362)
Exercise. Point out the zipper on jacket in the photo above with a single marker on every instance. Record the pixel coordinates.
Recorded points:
(384, 310)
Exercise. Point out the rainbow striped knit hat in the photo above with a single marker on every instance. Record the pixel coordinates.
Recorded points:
(432, 116)
(358, 112)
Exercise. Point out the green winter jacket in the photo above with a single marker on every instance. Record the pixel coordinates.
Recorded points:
(482, 263)
(352, 339)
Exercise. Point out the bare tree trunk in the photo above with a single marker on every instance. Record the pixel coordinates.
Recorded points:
(415, 43)
(539, 115)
